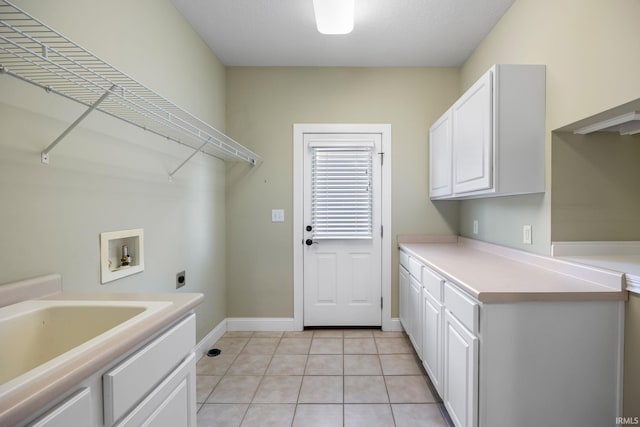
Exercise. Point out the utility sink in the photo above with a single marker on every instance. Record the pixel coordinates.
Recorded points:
(38, 335)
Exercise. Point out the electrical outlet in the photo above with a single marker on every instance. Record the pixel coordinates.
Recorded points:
(181, 279)
(475, 226)
(526, 234)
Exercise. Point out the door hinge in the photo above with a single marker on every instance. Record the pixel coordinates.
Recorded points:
(381, 158)
(381, 302)
(382, 231)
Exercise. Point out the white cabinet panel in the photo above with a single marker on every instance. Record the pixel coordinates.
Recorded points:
(460, 372)
(415, 314)
(73, 412)
(440, 152)
(404, 298)
(432, 312)
(472, 138)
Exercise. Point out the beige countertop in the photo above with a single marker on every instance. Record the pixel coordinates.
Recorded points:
(35, 394)
(494, 274)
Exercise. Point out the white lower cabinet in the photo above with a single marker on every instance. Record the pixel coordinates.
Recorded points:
(513, 363)
(415, 314)
(403, 284)
(154, 385)
(460, 378)
(432, 314)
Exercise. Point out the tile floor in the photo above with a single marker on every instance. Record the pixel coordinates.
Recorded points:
(315, 378)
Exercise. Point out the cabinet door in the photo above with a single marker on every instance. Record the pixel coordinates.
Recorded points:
(404, 302)
(460, 377)
(440, 151)
(415, 315)
(473, 138)
(432, 339)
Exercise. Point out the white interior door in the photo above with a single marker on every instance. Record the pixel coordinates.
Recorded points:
(342, 258)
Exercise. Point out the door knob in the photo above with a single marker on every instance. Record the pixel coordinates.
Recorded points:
(309, 228)
(308, 242)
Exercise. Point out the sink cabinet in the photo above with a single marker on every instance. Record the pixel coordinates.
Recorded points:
(491, 142)
(152, 385)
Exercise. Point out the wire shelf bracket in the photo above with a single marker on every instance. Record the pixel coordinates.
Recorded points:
(35, 53)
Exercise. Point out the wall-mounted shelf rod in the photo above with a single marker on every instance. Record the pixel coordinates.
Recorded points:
(46, 151)
(35, 53)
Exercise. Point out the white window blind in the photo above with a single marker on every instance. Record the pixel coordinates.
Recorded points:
(341, 193)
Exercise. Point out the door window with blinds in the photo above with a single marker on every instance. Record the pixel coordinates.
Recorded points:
(341, 191)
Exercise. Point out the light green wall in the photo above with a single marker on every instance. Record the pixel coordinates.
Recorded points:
(594, 192)
(592, 57)
(590, 50)
(262, 106)
(107, 175)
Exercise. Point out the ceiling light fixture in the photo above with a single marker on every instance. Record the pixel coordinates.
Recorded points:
(334, 17)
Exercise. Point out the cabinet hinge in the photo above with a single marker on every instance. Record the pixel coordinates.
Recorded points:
(381, 303)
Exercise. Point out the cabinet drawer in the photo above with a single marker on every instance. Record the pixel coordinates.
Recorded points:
(461, 306)
(432, 283)
(128, 383)
(404, 260)
(415, 269)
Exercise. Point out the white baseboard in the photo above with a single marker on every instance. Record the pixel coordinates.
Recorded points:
(261, 324)
(395, 325)
(205, 343)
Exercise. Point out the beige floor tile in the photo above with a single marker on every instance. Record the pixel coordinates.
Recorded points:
(408, 389)
(321, 389)
(324, 364)
(230, 345)
(326, 346)
(360, 346)
(358, 333)
(318, 416)
(417, 415)
(389, 334)
(235, 389)
(261, 345)
(287, 364)
(221, 415)
(400, 364)
(362, 364)
(278, 389)
(265, 415)
(328, 333)
(249, 364)
(214, 365)
(365, 389)
(238, 334)
(394, 346)
(298, 334)
(268, 334)
(294, 346)
(368, 416)
(204, 386)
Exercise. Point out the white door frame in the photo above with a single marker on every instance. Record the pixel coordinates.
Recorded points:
(298, 247)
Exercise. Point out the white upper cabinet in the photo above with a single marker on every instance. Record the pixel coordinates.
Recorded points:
(491, 142)
(440, 154)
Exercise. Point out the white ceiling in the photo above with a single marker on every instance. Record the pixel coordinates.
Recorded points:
(437, 33)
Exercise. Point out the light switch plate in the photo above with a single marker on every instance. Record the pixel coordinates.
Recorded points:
(526, 234)
(277, 215)
(475, 226)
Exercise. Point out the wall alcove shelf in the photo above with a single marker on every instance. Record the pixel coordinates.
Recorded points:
(35, 53)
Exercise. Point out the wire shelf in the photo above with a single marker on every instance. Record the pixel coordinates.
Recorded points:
(35, 53)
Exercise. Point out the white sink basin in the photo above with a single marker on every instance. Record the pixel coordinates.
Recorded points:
(39, 335)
